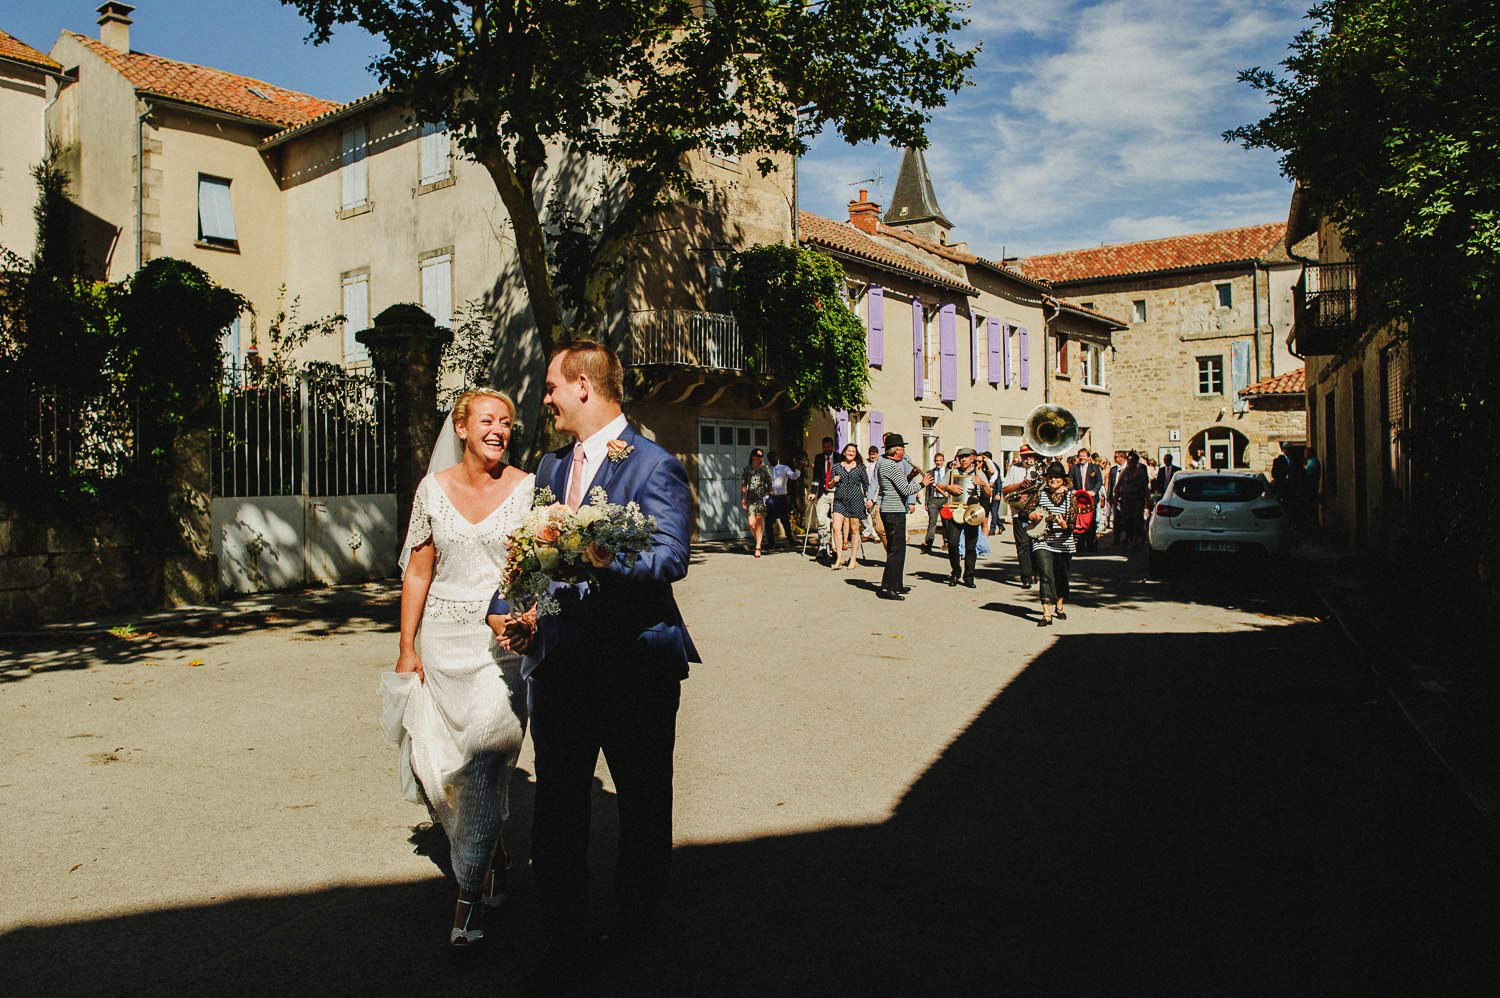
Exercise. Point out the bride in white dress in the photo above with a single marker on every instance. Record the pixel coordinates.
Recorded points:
(456, 703)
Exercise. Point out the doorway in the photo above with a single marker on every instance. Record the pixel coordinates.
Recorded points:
(724, 447)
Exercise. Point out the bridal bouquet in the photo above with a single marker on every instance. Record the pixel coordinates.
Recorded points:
(557, 544)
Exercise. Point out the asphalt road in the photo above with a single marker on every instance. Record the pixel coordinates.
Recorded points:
(1188, 787)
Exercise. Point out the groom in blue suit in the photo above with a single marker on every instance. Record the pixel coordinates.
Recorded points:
(605, 673)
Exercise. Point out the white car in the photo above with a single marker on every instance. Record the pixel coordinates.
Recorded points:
(1215, 512)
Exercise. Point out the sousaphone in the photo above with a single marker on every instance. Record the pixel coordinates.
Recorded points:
(1051, 431)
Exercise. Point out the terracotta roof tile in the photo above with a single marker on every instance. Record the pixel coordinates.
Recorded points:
(1093, 313)
(957, 255)
(211, 88)
(848, 240)
(12, 47)
(1252, 242)
(1290, 383)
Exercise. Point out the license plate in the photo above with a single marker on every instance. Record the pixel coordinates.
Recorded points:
(1216, 546)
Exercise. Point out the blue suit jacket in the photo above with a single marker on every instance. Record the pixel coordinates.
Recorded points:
(630, 608)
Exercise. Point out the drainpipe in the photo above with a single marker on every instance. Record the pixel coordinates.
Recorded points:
(1255, 311)
(140, 121)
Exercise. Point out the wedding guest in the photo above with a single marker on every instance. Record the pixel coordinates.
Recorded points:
(995, 525)
(851, 486)
(755, 486)
(897, 487)
(822, 492)
(1134, 490)
(875, 529)
(778, 504)
(934, 501)
(465, 716)
(1055, 550)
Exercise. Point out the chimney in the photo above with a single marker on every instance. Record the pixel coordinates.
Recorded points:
(864, 214)
(114, 26)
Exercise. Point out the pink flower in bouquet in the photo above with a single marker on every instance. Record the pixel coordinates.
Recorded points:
(598, 555)
(547, 534)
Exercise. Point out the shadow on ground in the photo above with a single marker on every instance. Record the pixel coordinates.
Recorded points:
(1235, 813)
(165, 636)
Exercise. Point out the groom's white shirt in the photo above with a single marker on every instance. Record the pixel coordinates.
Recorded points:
(595, 449)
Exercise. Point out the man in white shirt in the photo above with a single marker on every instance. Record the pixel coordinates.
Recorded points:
(778, 505)
(935, 501)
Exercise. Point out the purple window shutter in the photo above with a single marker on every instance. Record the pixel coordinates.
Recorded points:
(1025, 359)
(999, 338)
(948, 351)
(974, 323)
(875, 334)
(877, 430)
(840, 430)
(918, 346)
(981, 435)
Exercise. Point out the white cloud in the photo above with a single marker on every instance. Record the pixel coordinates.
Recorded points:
(1096, 122)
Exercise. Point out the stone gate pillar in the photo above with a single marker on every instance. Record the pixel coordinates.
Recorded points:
(406, 346)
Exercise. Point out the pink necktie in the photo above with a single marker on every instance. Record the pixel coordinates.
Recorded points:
(575, 479)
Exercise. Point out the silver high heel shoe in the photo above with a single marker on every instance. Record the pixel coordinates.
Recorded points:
(495, 886)
(460, 937)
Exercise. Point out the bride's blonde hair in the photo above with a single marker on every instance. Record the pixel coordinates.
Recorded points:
(462, 403)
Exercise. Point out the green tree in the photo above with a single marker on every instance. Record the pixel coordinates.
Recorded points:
(636, 85)
(1387, 114)
(794, 315)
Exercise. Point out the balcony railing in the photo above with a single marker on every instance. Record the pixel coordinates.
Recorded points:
(707, 341)
(1327, 304)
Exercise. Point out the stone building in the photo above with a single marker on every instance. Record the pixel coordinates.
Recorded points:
(956, 342)
(1208, 316)
(24, 77)
(1358, 385)
(353, 207)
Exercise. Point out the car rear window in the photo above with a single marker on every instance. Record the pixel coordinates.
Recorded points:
(1219, 488)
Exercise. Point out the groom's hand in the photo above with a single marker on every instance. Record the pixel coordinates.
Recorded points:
(518, 636)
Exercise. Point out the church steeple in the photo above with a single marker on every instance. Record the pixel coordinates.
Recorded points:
(914, 204)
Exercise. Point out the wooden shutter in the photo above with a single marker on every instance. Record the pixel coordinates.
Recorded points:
(875, 328)
(918, 346)
(948, 353)
(840, 430)
(1025, 348)
(981, 435)
(999, 352)
(877, 431)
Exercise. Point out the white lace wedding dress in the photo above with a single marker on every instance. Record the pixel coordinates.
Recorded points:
(460, 731)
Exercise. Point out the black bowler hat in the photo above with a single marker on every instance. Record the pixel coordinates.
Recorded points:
(892, 441)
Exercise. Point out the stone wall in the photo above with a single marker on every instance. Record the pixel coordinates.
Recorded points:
(69, 571)
(1153, 372)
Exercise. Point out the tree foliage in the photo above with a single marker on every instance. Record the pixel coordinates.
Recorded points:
(1388, 114)
(794, 316)
(637, 85)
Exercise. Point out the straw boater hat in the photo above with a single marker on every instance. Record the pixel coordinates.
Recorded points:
(1025, 451)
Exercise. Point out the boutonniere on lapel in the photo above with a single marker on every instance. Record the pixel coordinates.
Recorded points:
(619, 450)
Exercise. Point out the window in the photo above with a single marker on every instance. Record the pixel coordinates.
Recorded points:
(215, 212)
(229, 349)
(1225, 293)
(1138, 308)
(437, 287)
(356, 299)
(356, 184)
(1092, 358)
(1211, 375)
(1062, 354)
(435, 154)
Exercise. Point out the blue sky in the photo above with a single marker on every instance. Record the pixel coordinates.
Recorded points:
(1090, 121)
